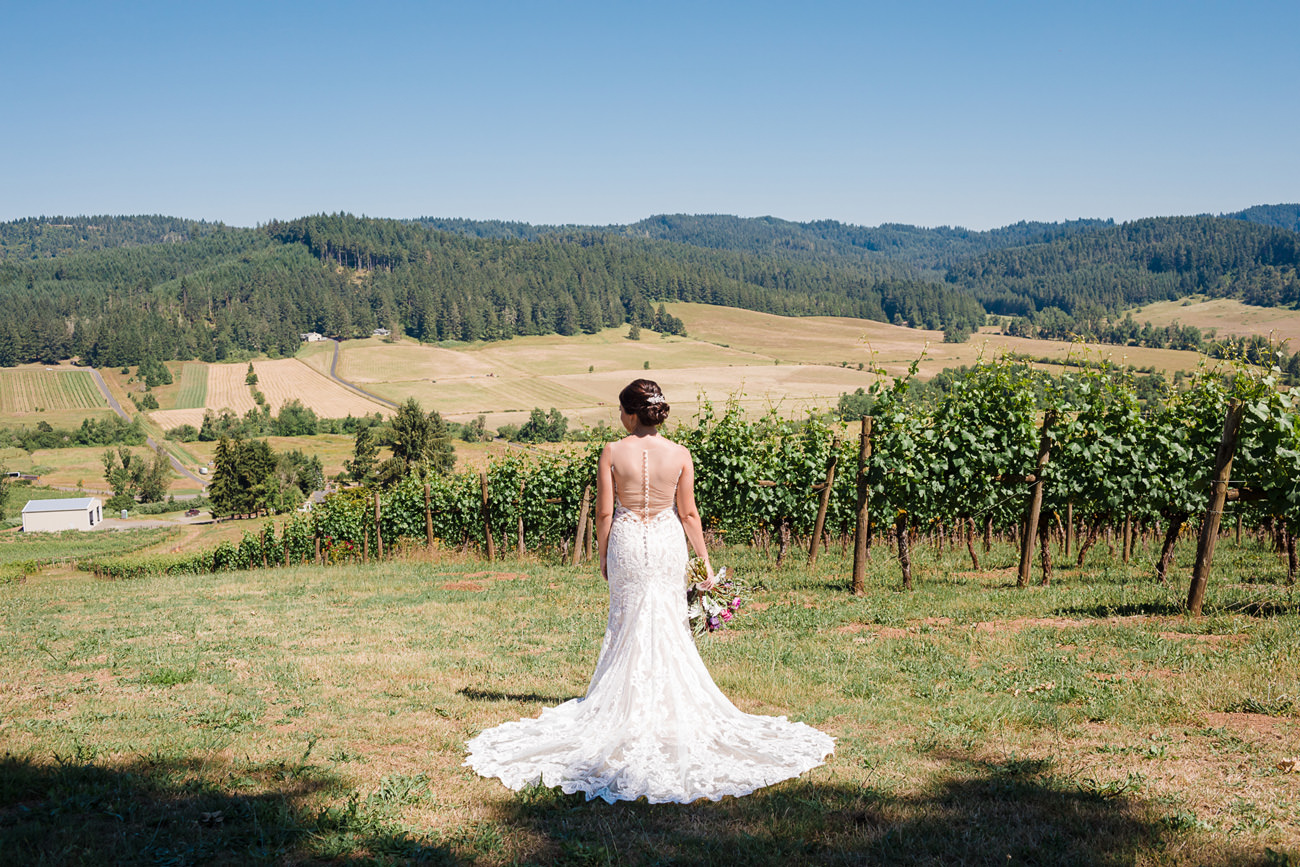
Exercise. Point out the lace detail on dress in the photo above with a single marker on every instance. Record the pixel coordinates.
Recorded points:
(652, 723)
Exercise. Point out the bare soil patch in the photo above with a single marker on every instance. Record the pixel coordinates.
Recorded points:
(1258, 724)
(879, 631)
(472, 586)
(1021, 623)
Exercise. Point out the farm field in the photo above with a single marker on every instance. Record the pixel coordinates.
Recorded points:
(1227, 317)
(291, 711)
(58, 394)
(192, 386)
(829, 340)
(792, 364)
(317, 355)
(280, 380)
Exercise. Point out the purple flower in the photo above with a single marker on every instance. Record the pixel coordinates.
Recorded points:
(714, 623)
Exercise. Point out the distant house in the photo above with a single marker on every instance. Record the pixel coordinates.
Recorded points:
(380, 332)
(311, 337)
(52, 516)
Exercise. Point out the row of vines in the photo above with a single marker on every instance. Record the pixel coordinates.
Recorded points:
(964, 458)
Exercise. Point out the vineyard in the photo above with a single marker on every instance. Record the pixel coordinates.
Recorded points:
(29, 390)
(1002, 451)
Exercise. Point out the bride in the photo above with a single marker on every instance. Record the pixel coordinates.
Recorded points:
(652, 723)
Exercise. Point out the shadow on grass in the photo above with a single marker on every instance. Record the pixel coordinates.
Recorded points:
(163, 811)
(977, 813)
(1102, 610)
(475, 694)
(1263, 608)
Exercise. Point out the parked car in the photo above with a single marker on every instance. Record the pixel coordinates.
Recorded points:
(191, 513)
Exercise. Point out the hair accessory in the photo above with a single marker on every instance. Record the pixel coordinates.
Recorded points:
(655, 398)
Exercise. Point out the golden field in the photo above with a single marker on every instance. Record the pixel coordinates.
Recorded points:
(791, 364)
(1227, 317)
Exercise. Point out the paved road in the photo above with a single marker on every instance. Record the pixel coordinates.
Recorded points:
(117, 408)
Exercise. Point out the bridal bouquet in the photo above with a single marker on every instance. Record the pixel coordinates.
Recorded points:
(710, 610)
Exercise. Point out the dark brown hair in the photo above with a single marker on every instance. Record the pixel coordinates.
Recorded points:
(643, 398)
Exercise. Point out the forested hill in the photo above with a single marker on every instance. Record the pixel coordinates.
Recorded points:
(118, 290)
(1116, 267)
(929, 251)
(42, 237)
(1278, 216)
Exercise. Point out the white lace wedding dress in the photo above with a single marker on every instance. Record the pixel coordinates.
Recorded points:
(652, 723)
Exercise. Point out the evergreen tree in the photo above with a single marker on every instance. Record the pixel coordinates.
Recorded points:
(365, 454)
(420, 439)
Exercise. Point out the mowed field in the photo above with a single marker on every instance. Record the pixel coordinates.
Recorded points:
(1227, 317)
(791, 364)
(60, 395)
(280, 380)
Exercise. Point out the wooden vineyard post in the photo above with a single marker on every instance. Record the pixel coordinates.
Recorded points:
(904, 558)
(286, 552)
(365, 546)
(1128, 536)
(317, 560)
(1069, 529)
(862, 530)
(1035, 502)
(487, 523)
(520, 548)
(580, 533)
(824, 502)
(428, 517)
(379, 535)
(1290, 557)
(1214, 511)
(1045, 548)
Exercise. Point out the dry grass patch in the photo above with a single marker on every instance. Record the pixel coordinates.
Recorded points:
(228, 390)
(289, 379)
(1226, 316)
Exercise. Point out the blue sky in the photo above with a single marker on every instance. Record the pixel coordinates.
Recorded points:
(931, 113)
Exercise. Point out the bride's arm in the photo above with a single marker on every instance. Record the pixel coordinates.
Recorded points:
(604, 505)
(690, 514)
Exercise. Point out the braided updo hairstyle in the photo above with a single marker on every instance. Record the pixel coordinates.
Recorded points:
(643, 399)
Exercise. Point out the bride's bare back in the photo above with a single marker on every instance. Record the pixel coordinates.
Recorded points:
(646, 473)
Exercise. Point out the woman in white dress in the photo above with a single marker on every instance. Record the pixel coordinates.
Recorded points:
(652, 723)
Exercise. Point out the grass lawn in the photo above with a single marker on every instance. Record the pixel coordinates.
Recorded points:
(310, 715)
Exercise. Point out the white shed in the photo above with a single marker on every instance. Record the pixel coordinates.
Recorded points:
(51, 516)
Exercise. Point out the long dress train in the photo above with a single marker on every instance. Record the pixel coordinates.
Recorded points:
(652, 723)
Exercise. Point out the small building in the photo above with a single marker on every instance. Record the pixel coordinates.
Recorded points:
(380, 332)
(53, 516)
(312, 337)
